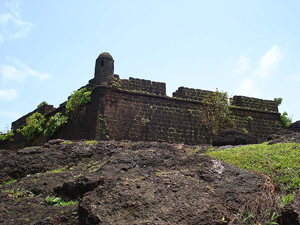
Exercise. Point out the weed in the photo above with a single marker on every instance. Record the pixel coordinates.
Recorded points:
(249, 119)
(33, 127)
(67, 142)
(285, 120)
(10, 181)
(19, 193)
(91, 143)
(55, 171)
(54, 123)
(7, 135)
(59, 201)
(78, 99)
(42, 104)
(217, 115)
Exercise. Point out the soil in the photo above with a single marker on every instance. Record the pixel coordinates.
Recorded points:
(123, 182)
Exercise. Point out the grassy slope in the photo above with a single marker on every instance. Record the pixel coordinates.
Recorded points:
(281, 162)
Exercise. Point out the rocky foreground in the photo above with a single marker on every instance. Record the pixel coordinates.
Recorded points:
(123, 182)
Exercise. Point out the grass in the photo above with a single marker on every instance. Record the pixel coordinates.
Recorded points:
(281, 162)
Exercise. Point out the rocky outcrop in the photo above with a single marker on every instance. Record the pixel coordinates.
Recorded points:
(233, 137)
(124, 183)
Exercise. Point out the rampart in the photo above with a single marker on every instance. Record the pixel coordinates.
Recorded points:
(139, 110)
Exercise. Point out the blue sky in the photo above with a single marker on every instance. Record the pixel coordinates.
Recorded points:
(48, 48)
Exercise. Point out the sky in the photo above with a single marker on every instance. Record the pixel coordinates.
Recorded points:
(48, 48)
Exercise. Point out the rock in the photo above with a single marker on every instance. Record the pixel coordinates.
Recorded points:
(290, 214)
(234, 137)
(295, 126)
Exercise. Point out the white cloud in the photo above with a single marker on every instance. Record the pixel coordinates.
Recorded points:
(266, 65)
(247, 87)
(11, 25)
(268, 62)
(294, 77)
(20, 71)
(242, 64)
(9, 94)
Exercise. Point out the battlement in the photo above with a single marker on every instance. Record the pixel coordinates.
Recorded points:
(139, 110)
(254, 103)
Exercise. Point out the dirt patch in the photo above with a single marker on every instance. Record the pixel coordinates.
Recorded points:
(123, 182)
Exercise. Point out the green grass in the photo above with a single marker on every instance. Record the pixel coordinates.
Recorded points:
(281, 162)
(56, 171)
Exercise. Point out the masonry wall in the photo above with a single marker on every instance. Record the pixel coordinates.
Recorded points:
(142, 112)
(141, 117)
(138, 116)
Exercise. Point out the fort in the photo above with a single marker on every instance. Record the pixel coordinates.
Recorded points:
(139, 110)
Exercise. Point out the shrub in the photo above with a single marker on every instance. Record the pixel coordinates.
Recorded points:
(6, 136)
(33, 127)
(77, 100)
(285, 120)
(42, 104)
(217, 116)
(54, 123)
(278, 101)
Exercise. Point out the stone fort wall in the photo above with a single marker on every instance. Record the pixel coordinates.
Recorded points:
(139, 110)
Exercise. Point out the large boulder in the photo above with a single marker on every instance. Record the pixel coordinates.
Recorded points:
(234, 137)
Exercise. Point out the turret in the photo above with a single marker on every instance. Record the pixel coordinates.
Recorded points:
(104, 68)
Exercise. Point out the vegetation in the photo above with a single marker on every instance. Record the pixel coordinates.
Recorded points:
(33, 127)
(59, 201)
(285, 120)
(281, 162)
(77, 100)
(42, 104)
(218, 116)
(278, 101)
(8, 136)
(54, 123)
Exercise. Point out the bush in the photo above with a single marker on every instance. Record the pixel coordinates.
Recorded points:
(54, 123)
(285, 120)
(42, 104)
(33, 127)
(77, 100)
(6, 136)
(217, 116)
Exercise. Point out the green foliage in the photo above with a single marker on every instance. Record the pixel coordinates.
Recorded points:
(249, 119)
(78, 99)
(6, 136)
(10, 181)
(285, 120)
(59, 201)
(33, 127)
(281, 162)
(42, 104)
(55, 171)
(19, 193)
(217, 116)
(91, 143)
(54, 123)
(278, 101)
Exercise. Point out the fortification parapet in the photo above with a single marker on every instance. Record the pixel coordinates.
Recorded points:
(254, 103)
(192, 94)
(140, 85)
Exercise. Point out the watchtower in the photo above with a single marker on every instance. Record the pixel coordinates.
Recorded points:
(104, 68)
